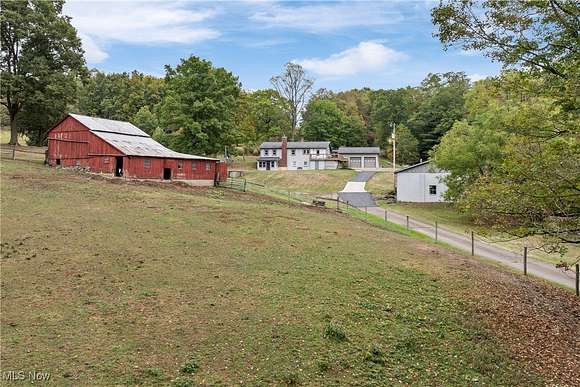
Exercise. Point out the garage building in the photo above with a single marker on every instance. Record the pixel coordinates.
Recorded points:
(364, 158)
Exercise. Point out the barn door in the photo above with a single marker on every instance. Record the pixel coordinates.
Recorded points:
(119, 166)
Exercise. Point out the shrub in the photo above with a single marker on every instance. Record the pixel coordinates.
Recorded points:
(335, 332)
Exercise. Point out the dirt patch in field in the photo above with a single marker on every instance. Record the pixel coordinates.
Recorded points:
(538, 322)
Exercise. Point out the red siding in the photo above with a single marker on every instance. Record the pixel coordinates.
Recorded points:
(74, 145)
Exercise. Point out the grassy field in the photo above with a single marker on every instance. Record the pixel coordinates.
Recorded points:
(302, 184)
(5, 137)
(380, 184)
(447, 216)
(119, 283)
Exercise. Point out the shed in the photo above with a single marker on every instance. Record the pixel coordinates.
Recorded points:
(421, 183)
(360, 157)
(121, 149)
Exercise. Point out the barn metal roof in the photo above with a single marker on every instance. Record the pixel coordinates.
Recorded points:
(296, 144)
(143, 146)
(359, 150)
(111, 126)
(129, 139)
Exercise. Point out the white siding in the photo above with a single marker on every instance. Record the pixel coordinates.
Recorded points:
(414, 187)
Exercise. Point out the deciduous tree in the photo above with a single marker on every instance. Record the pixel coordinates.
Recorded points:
(295, 86)
(40, 63)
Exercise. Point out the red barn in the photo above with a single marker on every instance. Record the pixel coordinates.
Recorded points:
(122, 149)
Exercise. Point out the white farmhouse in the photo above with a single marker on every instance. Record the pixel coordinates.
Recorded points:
(421, 183)
(295, 155)
(360, 157)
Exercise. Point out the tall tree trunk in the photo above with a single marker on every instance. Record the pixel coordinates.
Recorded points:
(13, 130)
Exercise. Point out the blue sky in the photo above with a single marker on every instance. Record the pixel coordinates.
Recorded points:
(342, 45)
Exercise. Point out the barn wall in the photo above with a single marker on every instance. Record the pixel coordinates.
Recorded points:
(74, 145)
(139, 168)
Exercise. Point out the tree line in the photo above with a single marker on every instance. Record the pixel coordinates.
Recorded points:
(510, 143)
(200, 108)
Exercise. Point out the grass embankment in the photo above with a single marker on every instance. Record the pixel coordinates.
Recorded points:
(449, 217)
(107, 282)
(304, 185)
(380, 184)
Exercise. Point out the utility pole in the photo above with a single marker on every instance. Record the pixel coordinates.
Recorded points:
(393, 138)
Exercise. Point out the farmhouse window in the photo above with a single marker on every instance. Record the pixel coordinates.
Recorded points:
(207, 166)
(106, 160)
(147, 163)
(266, 152)
(180, 164)
(273, 152)
(432, 190)
(306, 151)
(293, 152)
(318, 151)
(293, 163)
(306, 163)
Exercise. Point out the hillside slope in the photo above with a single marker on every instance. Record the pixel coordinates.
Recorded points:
(110, 282)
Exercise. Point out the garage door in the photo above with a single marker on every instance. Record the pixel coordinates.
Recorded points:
(370, 162)
(354, 162)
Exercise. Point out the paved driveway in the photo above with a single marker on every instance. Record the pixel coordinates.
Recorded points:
(354, 191)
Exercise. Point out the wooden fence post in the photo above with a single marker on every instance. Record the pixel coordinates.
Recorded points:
(14, 152)
(337, 204)
(366, 212)
(525, 260)
(407, 222)
(245, 185)
(436, 230)
(386, 216)
(472, 244)
(578, 279)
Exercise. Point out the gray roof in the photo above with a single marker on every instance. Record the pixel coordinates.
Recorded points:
(129, 139)
(296, 144)
(422, 167)
(111, 126)
(359, 150)
(266, 158)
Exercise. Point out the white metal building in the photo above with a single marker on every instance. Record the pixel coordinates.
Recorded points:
(421, 183)
(360, 157)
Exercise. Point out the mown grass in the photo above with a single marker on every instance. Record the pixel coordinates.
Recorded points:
(449, 217)
(305, 183)
(381, 183)
(116, 283)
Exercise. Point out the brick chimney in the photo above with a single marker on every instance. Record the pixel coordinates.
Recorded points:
(283, 162)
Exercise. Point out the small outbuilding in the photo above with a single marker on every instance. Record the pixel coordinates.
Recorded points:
(360, 157)
(121, 149)
(421, 183)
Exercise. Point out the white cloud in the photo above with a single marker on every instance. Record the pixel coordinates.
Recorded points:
(327, 17)
(476, 77)
(367, 56)
(136, 22)
(93, 53)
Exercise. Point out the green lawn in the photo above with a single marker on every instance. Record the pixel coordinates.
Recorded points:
(110, 283)
(304, 185)
(380, 184)
(448, 217)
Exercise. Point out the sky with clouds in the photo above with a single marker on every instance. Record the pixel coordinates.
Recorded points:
(342, 45)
